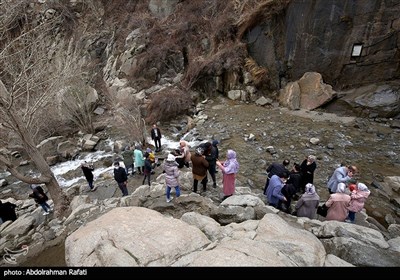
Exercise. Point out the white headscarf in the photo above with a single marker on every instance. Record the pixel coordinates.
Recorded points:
(362, 187)
(341, 188)
(310, 189)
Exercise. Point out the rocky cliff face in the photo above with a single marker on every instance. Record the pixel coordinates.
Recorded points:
(258, 47)
(320, 35)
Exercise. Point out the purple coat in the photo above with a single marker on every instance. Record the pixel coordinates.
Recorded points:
(171, 173)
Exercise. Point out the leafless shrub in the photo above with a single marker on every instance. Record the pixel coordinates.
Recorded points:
(167, 104)
(128, 119)
(78, 102)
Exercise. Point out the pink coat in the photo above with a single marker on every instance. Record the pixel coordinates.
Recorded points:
(337, 203)
(357, 200)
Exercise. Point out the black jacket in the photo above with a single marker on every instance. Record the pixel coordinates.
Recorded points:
(120, 175)
(38, 195)
(295, 180)
(87, 171)
(153, 134)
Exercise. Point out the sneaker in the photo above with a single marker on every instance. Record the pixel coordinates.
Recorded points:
(169, 200)
(348, 221)
(45, 213)
(94, 188)
(50, 210)
(214, 185)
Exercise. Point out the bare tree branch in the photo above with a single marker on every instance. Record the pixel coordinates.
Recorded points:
(34, 69)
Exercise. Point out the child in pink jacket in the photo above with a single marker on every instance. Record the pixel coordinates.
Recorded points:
(358, 198)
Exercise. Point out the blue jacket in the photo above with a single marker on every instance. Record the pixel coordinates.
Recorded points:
(339, 176)
(274, 193)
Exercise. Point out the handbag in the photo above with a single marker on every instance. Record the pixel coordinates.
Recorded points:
(322, 210)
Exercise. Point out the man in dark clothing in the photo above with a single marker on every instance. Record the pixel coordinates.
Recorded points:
(121, 177)
(88, 172)
(210, 153)
(41, 198)
(296, 178)
(156, 137)
(275, 169)
(288, 191)
(7, 212)
(215, 144)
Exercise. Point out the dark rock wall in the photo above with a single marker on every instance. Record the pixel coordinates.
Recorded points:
(318, 35)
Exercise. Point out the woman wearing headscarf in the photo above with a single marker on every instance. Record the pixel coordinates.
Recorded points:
(184, 156)
(229, 168)
(307, 205)
(338, 203)
(358, 197)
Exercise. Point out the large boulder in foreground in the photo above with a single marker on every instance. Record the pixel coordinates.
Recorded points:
(132, 236)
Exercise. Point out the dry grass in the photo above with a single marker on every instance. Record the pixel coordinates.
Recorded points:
(258, 73)
(256, 11)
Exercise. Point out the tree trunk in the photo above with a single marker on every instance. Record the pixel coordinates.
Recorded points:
(61, 201)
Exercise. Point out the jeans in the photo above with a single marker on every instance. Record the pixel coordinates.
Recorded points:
(177, 191)
(45, 206)
(90, 182)
(352, 216)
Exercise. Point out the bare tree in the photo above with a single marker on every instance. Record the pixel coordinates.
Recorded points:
(31, 74)
(78, 102)
(129, 119)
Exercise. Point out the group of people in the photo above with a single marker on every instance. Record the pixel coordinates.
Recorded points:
(280, 188)
(282, 185)
(346, 198)
(204, 161)
(144, 163)
(286, 184)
